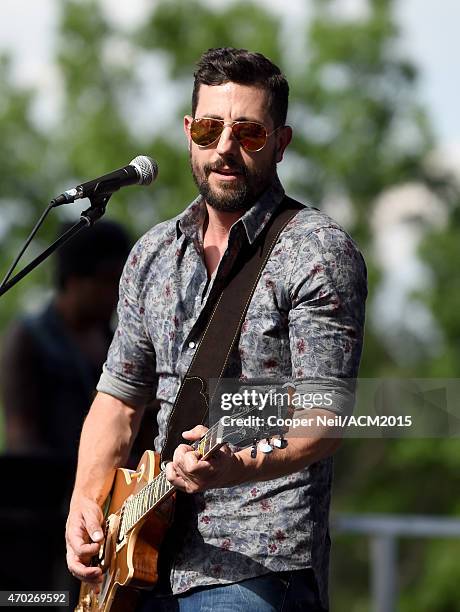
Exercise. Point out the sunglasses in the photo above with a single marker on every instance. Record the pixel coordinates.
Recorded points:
(252, 136)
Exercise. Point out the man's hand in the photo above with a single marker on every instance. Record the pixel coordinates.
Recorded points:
(191, 474)
(83, 537)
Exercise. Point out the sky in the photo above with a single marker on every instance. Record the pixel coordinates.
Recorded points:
(430, 37)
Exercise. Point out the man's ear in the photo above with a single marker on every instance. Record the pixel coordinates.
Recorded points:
(187, 122)
(284, 138)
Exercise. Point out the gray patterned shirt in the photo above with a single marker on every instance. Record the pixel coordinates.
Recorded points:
(305, 320)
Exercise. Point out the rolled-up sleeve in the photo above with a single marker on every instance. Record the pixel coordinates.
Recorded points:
(129, 372)
(328, 290)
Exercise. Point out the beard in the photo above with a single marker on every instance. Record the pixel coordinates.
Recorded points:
(233, 196)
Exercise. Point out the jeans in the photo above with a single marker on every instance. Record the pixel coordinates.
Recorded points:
(275, 592)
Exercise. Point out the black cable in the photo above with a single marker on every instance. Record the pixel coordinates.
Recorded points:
(26, 244)
(87, 218)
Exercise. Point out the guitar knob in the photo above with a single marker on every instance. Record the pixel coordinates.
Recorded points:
(280, 442)
(265, 446)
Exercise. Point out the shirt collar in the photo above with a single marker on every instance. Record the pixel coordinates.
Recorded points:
(190, 222)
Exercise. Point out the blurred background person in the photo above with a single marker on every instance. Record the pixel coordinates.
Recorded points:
(51, 361)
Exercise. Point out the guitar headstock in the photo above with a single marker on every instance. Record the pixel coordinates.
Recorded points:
(242, 428)
(262, 418)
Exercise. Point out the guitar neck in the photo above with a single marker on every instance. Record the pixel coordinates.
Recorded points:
(159, 489)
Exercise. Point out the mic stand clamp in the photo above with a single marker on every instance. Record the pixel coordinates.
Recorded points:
(96, 210)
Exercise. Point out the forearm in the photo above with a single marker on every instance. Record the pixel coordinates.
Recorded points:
(106, 439)
(225, 468)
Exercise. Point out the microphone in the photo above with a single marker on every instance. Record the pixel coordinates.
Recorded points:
(142, 170)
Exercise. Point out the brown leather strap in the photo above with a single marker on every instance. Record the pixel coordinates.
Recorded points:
(225, 314)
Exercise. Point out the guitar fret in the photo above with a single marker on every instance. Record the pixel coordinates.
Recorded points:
(205, 443)
(131, 513)
(125, 516)
(212, 438)
(151, 492)
(165, 486)
(122, 522)
(161, 480)
(142, 502)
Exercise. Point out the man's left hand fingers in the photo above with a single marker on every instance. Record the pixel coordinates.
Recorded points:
(195, 434)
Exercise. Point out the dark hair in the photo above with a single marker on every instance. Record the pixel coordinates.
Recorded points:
(90, 250)
(223, 65)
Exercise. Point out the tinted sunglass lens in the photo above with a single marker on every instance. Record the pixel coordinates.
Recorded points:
(205, 131)
(251, 136)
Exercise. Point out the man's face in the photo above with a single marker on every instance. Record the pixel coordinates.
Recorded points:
(228, 177)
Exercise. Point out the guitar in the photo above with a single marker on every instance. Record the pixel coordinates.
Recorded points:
(138, 513)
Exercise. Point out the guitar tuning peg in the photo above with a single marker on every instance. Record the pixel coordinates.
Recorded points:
(266, 447)
(254, 449)
(280, 442)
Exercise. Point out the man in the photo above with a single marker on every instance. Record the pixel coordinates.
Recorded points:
(257, 528)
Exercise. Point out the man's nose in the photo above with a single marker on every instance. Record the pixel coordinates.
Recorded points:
(227, 143)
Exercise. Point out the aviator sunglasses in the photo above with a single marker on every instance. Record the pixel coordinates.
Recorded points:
(252, 136)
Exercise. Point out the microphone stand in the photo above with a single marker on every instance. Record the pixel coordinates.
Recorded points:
(87, 218)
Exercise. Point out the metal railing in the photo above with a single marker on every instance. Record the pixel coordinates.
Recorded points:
(383, 531)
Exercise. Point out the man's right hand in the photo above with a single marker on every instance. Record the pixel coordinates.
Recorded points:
(107, 434)
(83, 537)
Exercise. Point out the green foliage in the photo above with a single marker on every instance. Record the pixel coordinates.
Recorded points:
(185, 35)
(441, 251)
(362, 129)
(23, 181)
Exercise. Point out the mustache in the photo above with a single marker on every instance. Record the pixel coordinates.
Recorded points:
(220, 164)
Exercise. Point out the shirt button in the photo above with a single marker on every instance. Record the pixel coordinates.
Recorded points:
(191, 344)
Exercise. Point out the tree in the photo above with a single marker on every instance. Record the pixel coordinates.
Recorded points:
(23, 181)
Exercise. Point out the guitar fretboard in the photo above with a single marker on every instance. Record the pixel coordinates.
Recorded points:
(159, 489)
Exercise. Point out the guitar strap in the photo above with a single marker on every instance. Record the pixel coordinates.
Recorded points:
(222, 318)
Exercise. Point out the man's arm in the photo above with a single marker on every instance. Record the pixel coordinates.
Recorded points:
(227, 469)
(107, 435)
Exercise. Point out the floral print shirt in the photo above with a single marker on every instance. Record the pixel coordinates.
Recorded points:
(305, 320)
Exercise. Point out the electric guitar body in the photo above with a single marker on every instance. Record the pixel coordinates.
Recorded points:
(128, 557)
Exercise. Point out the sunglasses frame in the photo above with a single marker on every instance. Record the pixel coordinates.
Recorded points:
(231, 124)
